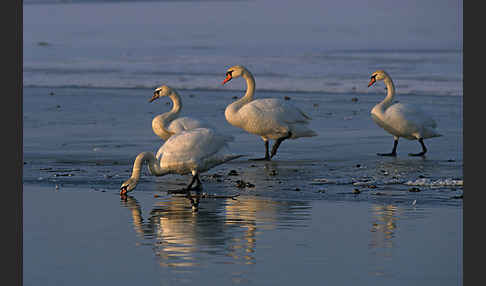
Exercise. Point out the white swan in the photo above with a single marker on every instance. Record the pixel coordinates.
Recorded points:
(269, 118)
(168, 124)
(401, 120)
(193, 151)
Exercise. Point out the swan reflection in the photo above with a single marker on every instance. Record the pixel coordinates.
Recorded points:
(226, 229)
(383, 231)
(383, 226)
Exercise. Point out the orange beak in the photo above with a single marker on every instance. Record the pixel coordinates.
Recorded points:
(372, 81)
(123, 191)
(153, 97)
(228, 78)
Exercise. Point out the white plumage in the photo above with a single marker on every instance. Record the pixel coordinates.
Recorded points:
(169, 123)
(269, 118)
(399, 119)
(192, 151)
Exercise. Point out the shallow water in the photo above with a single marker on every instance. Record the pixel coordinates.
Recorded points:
(95, 238)
(104, 129)
(300, 217)
(327, 209)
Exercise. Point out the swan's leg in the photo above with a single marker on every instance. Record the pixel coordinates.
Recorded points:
(394, 151)
(424, 149)
(198, 185)
(267, 156)
(277, 143)
(195, 178)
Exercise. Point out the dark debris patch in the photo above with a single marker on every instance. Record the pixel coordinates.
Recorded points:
(214, 177)
(414, 190)
(272, 173)
(233, 173)
(242, 184)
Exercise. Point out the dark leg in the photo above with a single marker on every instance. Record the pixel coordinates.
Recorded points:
(195, 178)
(424, 149)
(267, 156)
(194, 203)
(277, 143)
(191, 183)
(198, 183)
(393, 152)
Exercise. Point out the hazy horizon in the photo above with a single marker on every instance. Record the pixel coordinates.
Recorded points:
(336, 25)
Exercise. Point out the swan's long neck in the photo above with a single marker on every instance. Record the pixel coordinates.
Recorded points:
(161, 123)
(250, 87)
(390, 92)
(152, 163)
(176, 103)
(250, 91)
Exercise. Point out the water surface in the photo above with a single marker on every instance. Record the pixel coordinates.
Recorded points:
(325, 210)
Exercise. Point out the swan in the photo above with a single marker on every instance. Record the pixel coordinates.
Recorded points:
(168, 124)
(269, 118)
(401, 120)
(192, 151)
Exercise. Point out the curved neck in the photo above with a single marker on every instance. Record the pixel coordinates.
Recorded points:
(250, 87)
(152, 162)
(161, 123)
(176, 102)
(390, 92)
(250, 91)
(174, 112)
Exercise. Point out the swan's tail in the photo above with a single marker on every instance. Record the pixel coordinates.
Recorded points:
(303, 132)
(430, 133)
(310, 133)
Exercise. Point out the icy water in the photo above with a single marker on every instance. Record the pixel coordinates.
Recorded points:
(326, 210)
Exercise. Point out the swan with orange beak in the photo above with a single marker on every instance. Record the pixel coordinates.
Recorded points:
(399, 119)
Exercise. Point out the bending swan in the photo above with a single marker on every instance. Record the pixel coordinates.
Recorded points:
(194, 151)
(269, 118)
(168, 124)
(401, 120)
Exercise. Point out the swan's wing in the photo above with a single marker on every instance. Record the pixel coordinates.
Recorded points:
(411, 113)
(276, 110)
(410, 119)
(186, 123)
(192, 145)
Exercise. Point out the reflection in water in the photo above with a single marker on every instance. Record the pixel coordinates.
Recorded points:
(225, 229)
(383, 228)
(143, 230)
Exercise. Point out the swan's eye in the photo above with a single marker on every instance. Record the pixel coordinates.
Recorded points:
(229, 73)
(373, 76)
